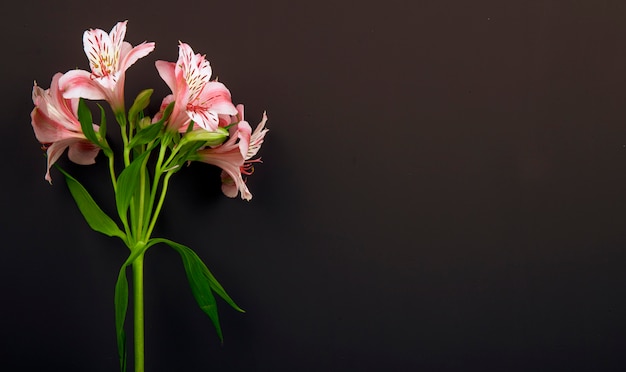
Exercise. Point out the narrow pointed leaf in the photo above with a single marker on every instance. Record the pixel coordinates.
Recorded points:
(200, 288)
(168, 111)
(121, 307)
(215, 285)
(202, 283)
(127, 183)
(202, 292)
(95, 217)
(103, 122)
(146, 135)
(86, 121)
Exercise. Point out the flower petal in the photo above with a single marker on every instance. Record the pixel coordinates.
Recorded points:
(230, 186)
(83, 152)
(46, 130)
(166, 71)
(79, 83)
(243, 133)
(99, 51)
(130, 56)
(216, 97)
(229, 159)
(256, 140)
(206, 119)
(117, 35)
(194, 68)
(54, 152)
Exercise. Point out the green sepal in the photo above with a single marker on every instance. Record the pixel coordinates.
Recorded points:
(141, 102)
(127, 184)
(202, 283)
(146, 135)
(95, 217)
(86, 122)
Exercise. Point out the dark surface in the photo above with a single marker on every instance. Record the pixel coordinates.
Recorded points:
(443, 189)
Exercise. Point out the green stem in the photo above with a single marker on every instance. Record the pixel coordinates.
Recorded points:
(158, 171)
(139, 334)
(112, 171)
(121, 119)
(172, 155)
(157, 210)
(142, 200)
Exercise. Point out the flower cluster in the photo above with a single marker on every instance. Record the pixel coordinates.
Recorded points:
(198, 109)
(196, 122)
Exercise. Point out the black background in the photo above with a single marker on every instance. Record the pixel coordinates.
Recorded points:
(442, 190)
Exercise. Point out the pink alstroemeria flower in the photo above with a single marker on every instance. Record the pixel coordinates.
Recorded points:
(55, 122)
(109, 58)
(235, 156)
(197, 98)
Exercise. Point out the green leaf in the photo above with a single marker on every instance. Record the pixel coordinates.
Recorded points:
(190, 126)
(121, 307)
(95, 217)
(202, 283)
(103, 122)
(86, 121)
(146, 135)
(168, 111)
(127, 183)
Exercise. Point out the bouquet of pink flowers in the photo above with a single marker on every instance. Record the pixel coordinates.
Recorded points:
(196, 122)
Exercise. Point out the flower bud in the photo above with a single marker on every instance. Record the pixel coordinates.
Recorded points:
(144, 122)
(141, 102)
(210, 138)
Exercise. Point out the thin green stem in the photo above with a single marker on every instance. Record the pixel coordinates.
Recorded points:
(157, 210)
(142, 200)
(121, 119)
(158, 171)
(126, 154)
(138, 309)
(172, 155)
(112, 171)
(131, 131)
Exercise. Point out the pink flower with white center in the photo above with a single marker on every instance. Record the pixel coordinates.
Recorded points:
(55, 122)
(197, 97)
(235, 156)
(109, 58)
